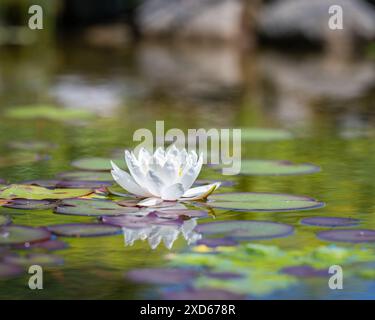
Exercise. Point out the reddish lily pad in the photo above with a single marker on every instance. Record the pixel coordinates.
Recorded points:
(246, 229)
(217, 242)
(20, 191)
(181, 213)
(348, 235)
(86, 176)
(14, 234)
(166, 276)
(9, 271)
(305, 271)
(84, 229)
(137, 222)
(203, 294)
(4, 220)
(36, 258)
(74, 184)
(258, 201)
(89, 207)
(50, 245)
(330, 221)
(26, 204)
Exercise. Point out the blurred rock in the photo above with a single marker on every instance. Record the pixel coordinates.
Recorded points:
(310, 18)
(203, 19)
(200, 71)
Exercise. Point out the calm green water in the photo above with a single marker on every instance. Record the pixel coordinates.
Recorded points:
(331, 114)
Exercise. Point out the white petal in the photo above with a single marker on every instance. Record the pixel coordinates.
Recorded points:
(191, 174)
(127, 182)
(135, 170)
(201, 192)
(173, 192)
(150, 202)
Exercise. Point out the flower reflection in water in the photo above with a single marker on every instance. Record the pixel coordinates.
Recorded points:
(157, 233)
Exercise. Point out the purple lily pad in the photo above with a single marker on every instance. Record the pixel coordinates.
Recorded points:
(182, 212)
(31, 259)
(167, 276)
(84, 229)
(73, 184)
(348, 235)
(9, 271)
(14, 234)
(137, 222)
(90, 207)
(217, 242)
(223, 275)
(26, 204)
(246, 229)
(305, 271)
(203, 294)
(50, 245)
(4, 220)
(330, 221)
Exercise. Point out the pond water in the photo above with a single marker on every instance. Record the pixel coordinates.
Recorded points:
(325, 106)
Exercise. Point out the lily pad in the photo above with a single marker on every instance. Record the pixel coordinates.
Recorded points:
(245, 229)
(14, 234)
(36, 258)
(265, 134)
(26, 204)
(88, 207)
(9, 271)
(217, 242)
(84, 229)
(203, 294)
(276, 167)
(95, 164)
(50, 245)
(137, 222)
(329, 221)
(47, 112)
(181, 213)
(32, 145)
(74, 184)
(223, 183)
(15, 191)
(257, 201)
(305, 271)
(86, 176)
(4, 220)
(348, 235)
(166, 276)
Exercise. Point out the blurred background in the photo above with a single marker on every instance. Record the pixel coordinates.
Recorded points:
(98, 70)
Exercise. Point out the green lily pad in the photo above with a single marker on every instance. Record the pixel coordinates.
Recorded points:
(257, 201)
(88, 207)
(4, 220)
(14, 234)
(86, 176)
(95, 164)
(84, 229)
(47, 112)
(21, 158)
(265, 134)
(26, 204)
(246, 229)
(16, 191)
(276, 167)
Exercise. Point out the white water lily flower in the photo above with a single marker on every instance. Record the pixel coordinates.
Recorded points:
(162, 176)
